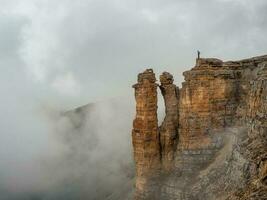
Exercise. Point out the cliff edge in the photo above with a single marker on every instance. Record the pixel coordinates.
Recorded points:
(212, 143)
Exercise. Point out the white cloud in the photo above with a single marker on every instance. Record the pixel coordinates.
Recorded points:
(41, 50)
(66, 84)
(150, 16)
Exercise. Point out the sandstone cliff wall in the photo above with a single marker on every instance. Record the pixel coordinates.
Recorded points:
(212, 143)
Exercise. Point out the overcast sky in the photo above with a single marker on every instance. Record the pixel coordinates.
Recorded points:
(73, 52)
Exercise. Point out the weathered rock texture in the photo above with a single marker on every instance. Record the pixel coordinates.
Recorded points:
(169, 127)
(212, 143)
(145, 133)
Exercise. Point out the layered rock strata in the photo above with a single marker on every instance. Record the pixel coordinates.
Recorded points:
(213, 140)
(145, 134)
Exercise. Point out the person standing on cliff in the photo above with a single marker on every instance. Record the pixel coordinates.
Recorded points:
(198, 54)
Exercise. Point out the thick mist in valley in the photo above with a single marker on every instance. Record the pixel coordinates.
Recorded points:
(84, 154)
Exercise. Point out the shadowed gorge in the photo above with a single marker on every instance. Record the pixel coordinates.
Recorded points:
(212, 142)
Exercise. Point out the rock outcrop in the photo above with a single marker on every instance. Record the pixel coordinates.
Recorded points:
(169, 127)
(212, 143)
(145, 134)
(254, 147)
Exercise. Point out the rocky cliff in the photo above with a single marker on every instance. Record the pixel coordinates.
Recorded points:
(212, 143)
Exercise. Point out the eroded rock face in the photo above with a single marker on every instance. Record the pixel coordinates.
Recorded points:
(213, 140)
(169, 127)
(145, 134)
(208, 101)
(254, 148)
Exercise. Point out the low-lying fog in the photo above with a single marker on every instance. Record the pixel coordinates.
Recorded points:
(80, 154)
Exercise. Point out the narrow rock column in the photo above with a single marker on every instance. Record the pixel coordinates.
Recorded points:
(169, 127)
(145, 135)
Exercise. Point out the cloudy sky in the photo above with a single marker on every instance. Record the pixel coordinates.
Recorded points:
(73, 52)
(62, 54)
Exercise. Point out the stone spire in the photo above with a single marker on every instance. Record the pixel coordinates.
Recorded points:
(145, 135)
(169, 127)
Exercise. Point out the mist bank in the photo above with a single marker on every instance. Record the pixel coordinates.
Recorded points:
(85, 153)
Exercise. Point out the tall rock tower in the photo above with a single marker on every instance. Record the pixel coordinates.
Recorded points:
(145, 134)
